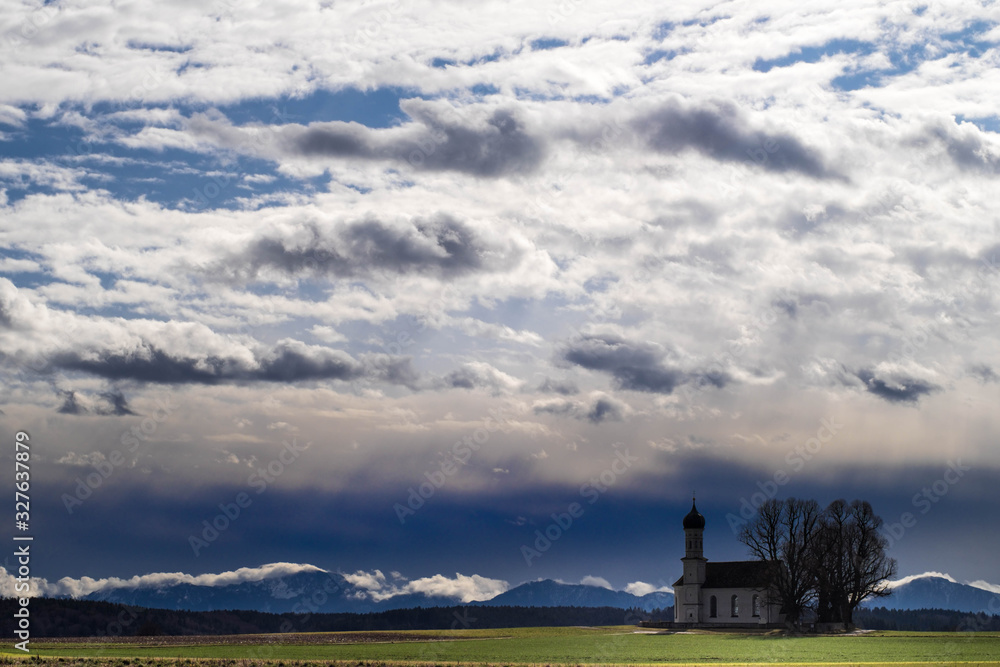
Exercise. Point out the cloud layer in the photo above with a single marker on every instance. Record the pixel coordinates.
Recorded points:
(510, 235)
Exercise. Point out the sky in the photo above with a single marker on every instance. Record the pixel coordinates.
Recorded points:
(404, 286)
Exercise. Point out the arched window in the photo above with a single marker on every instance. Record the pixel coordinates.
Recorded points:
(713, 607)
(755, 605)
(736, 606)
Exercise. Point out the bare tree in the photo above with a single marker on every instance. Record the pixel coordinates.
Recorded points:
(784, 533)
(870, 566)
(833, 562)
(851, 560)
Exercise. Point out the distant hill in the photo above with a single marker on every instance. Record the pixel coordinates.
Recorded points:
(932, 592)
(548, 593)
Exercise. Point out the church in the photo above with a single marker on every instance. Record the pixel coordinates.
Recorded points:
(725, 594)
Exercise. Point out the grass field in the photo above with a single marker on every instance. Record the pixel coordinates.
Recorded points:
(534, 646)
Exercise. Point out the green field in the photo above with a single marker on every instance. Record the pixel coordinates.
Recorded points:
(546, 646)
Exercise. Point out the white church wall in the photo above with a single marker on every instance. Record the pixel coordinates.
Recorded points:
(724, 596)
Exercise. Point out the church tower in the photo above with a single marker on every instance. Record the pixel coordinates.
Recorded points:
(689, 607)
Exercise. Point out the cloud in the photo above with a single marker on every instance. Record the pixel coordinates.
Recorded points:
(84, 460)
(641, 588)
(464, 588)
(461, 587)
(287, 361)
(480, 375)
(67, 586)
(635, 366)
(606, 408)
(70, 406)
(721, 131)
(440, 246)
(478, 142)
(984, 585)
(599, 407)
(984, 373)
(895, 386)
(564, 387)
(175, 353)
(117, 404)
(968, 147)
(369, 581)
(924, 575)
(591, 580)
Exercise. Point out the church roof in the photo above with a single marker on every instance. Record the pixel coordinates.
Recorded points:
(735, 574)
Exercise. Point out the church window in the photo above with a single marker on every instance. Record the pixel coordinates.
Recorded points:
(756, 605)
(735, 605)
(713, 607)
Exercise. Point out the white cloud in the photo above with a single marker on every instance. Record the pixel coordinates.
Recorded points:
(74, 459)
(924, 575)
(642, 588)
(86, 585)
(985, 585)
(464, 588)
(601, 582)
(461, 587)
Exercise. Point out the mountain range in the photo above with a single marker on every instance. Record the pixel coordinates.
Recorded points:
(329, 592)
(315, 590)
(933, 592)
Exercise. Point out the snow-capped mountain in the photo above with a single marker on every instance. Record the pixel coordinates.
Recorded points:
(939, 592)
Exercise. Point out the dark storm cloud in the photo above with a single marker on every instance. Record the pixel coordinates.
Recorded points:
(440, 246)
(117, 404)
(722, 132)
(482, 527)
(70, 406)
(897, 388)
(497, 147)
(151, 364)
(605, 409)
(111, 403)
(288, 361)
(335, 139)
(635, 366)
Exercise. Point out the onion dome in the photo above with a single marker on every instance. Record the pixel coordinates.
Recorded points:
(694, 519)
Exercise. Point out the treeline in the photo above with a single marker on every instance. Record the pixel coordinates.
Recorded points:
(85, 618)
(925, 620)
